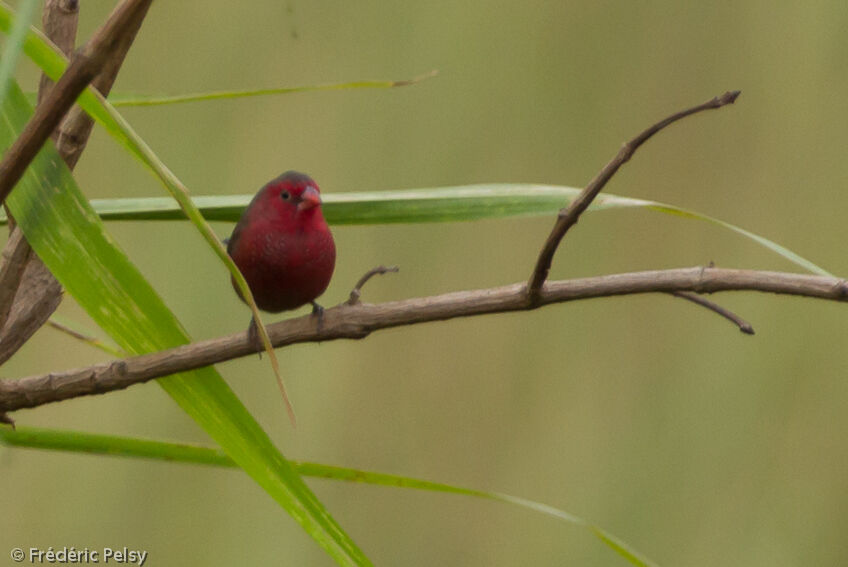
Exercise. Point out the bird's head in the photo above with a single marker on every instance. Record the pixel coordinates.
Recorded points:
(292, 194)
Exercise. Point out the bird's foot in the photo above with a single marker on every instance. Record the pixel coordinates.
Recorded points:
(4, 418)
(318, 311)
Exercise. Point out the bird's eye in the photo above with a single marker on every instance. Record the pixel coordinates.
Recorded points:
(285, 195)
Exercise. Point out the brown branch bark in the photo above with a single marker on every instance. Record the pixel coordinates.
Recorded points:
(85, 65)
(569, 216)
(358, 321)
(59, 20)
(37, 298)
(16, 255)
(43, 293)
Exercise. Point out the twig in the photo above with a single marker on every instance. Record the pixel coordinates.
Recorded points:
(358, 321)
(356, 292)
(84, 66)
(569, 215)
(743, 325)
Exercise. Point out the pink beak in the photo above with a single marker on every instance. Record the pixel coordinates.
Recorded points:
(309, 199)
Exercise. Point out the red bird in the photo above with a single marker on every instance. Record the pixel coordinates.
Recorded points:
(282, 245)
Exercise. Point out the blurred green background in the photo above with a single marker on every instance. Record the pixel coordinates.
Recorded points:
(653, 418)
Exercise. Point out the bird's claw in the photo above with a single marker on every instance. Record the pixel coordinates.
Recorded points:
(4, 418)
(318, 311)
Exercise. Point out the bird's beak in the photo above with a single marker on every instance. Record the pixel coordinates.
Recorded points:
(309, 199)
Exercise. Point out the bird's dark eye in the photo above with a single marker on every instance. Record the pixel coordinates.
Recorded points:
(285, 195)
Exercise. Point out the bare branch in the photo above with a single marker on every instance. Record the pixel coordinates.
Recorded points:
(743, 325)
(84, 66)
(360, 320)
(569, 216)
(356, 292)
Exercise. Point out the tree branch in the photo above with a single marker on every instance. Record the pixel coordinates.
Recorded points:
(569, 216)
(86, 64)
(358, 321)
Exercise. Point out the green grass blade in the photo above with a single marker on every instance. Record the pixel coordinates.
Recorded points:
(121, 100)
(14, 44)
(177, 452)
(444, 204)
(97, 444)
(68, 236)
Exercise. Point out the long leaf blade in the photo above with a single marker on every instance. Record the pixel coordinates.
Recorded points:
(443, 204)
(120, 100)
(113, 445)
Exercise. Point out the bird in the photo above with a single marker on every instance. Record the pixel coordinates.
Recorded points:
(283, 246)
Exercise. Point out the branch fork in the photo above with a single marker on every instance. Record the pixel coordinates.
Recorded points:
(569, 216)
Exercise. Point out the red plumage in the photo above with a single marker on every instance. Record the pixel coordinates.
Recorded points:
(282, 244)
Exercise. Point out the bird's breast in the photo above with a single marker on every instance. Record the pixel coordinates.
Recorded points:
(285, 269)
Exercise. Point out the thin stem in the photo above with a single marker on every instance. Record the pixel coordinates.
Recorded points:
(743, 325)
